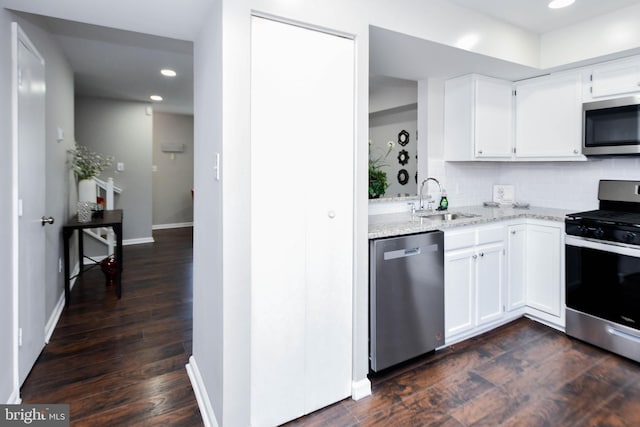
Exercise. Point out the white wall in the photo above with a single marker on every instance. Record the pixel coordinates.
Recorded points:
(208, 291)
(607, 34)
(122, 129)
(386, 93)
(173, 177)
(7, 386)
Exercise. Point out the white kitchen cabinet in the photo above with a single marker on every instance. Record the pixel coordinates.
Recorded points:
(549, 117)
(490, 273)
(615, 78)
(459, 291)
(478, 118)
(516, 273)
(302, 247)
(474, 279)
(544, 271)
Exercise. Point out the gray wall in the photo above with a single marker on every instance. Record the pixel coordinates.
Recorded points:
(385, 126)
(59, 113)
(122, 129)
(173, 177)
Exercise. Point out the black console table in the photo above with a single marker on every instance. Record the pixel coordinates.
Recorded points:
(113, 219)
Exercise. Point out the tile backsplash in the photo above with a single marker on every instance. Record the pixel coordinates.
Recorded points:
(564, 185)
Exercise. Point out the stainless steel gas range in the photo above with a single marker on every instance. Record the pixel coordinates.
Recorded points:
(603, 270)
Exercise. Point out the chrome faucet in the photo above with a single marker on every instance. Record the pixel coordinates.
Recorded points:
(429, 198)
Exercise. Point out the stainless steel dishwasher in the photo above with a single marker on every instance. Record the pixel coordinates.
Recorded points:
(406, 297)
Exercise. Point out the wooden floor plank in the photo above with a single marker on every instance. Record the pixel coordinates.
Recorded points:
(122, 362)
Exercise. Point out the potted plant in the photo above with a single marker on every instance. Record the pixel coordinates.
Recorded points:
(87, 165)
(377, 177)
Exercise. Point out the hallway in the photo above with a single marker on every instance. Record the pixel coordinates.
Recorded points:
(122, 363)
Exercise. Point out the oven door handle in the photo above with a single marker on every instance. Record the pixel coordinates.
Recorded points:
(600, 246)
(623, 334)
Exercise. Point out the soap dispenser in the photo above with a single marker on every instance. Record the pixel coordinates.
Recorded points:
(444, 203)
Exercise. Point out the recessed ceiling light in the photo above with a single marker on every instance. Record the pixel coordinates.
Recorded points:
(168, 72)
(558, 4)
(155, 98)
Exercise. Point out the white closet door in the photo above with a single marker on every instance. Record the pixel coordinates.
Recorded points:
(302, 142)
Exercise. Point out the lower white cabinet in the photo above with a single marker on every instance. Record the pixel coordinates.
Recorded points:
(544, 269)
(517, 260)
(474, 279)
(496, 273)
(535, 272)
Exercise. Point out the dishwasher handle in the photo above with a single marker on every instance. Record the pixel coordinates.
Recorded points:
(404, 253)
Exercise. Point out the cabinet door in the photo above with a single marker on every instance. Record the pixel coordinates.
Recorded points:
(548, 117)
(301, 250)
(459, 283)
(544, 279)
(493, 118)
(616, 78)
(516, 267)
(490, 269)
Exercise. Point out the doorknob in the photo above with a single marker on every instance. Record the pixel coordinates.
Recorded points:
(46, 220)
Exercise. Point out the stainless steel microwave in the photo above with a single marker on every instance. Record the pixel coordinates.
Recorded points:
(611, 127)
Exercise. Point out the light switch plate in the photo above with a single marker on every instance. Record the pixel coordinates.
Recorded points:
(504, 194)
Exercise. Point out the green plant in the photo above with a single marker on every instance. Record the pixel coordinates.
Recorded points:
(377, 177)
(87, 164)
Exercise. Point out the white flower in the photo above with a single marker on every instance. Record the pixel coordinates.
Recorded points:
(391, 144)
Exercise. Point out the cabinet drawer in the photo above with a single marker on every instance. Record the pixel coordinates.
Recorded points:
(491, 235)
(459, 239)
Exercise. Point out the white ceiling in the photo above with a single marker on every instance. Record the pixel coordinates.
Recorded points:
(535, 16)
(126, 65)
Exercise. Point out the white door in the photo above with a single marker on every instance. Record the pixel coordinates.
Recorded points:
(30, 138)
(490, 281)
(302, 175)
(459, 291)
(516, 267)
(549, 116)
(544, 277)
(493, 119)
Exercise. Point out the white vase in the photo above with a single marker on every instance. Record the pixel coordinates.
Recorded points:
(87, 190)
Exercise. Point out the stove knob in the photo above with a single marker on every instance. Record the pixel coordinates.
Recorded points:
(583, 230)
(629, 237)
(599, 233)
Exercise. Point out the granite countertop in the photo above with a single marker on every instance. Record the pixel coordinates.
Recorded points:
(397, 224)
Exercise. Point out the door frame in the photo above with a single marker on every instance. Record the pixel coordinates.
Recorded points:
(17, 36)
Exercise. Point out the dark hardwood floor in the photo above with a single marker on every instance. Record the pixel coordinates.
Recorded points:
(122, 362)
(522, 374)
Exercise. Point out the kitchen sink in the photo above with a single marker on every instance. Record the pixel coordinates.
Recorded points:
(445, 216)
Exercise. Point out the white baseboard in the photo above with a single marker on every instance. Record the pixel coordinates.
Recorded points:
(57, 310)
(360, 389)
(176, 225)
(15, 399)
(139, 241)
(208, 416)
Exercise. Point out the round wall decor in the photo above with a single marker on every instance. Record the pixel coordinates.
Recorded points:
(403, 138)
(403, 176)
(403, 157)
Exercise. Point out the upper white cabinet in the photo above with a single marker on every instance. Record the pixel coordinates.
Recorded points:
(614, 78)
(549, 117)
(478, 118)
